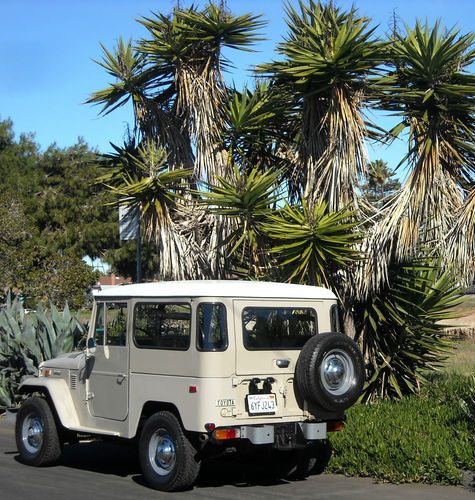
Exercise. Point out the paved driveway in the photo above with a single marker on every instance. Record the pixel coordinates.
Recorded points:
(97, 470)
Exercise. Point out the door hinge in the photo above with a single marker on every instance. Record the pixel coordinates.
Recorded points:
(89, 396)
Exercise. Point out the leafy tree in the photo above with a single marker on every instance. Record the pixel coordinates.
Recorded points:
(15, 243)
(53, 213)
(60, 279)
(380, 182)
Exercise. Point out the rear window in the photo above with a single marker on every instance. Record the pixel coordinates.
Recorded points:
(277, 327)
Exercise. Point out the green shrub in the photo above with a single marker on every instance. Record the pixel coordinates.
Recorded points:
(27, 339)
(428, 438)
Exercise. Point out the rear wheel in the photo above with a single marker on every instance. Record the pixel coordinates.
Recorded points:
(36, 433)
(166, 455)
(299, 464)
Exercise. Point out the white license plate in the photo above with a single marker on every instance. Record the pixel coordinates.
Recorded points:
(261, 403)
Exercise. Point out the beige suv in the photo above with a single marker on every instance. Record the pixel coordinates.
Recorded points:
(196, 368)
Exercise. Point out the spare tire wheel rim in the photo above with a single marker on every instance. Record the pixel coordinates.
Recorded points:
(337, 372)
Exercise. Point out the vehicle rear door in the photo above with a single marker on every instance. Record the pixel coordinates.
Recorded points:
(269, 338)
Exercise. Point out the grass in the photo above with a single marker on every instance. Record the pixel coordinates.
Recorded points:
(468, 303)
(428, 438)
(462, 360)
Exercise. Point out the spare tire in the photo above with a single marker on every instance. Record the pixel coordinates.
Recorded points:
(330, 371)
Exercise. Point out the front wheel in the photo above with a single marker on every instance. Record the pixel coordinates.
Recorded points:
(36, 433)
(166, 455)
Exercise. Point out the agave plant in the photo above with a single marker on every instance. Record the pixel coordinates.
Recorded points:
(27, 339)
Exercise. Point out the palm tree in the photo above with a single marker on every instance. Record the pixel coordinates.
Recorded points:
(175, 82)
(329, 55)
(431, 90)
(379, 183)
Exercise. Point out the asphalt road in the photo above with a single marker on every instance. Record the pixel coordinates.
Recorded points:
(98, 470)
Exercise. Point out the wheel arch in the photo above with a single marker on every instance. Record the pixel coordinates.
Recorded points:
(57, 394)
(151, 407)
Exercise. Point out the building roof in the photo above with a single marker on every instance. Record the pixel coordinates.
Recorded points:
(217, 288)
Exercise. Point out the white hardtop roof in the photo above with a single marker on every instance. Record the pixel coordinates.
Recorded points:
(217, 288)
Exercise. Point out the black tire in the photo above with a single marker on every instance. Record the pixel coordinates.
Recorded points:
(320, 454)
(299, 464)
(36, 433)
(177, 467)
(330, 371)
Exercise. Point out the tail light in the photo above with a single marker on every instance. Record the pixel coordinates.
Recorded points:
(230, 433)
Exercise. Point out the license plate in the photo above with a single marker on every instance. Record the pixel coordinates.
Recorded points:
(259, 404)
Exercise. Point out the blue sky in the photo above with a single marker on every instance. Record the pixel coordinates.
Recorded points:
(47, 49)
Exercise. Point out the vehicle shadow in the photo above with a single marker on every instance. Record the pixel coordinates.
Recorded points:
(114, 458)
(121, 459)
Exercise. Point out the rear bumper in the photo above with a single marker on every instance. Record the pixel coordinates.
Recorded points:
(280, 435)
(284, 435)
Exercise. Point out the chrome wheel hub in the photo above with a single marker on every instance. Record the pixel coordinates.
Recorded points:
(337, 372)
(32, 433)
(162, 452)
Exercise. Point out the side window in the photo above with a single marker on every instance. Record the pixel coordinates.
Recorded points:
(212, 331)
(162, 326)
(335, 319)
(99, 324)
(116, 326)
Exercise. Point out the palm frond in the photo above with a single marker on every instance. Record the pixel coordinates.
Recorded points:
(312, 243)
(401, 328)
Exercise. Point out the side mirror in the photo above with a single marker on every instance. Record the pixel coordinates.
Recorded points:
(91, 345)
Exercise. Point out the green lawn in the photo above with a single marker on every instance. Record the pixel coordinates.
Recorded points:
(462, 360)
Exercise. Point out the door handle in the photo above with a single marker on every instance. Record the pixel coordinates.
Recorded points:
(282, 363)
(120, 378)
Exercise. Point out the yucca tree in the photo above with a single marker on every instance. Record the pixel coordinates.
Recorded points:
(433, 93)
(329, 55)
(186, 50)
(461, 241)
(174, 79)
(261, 127)
(125, 65)
(143, 181)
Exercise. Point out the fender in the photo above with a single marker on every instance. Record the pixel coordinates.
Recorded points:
(60, 395)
